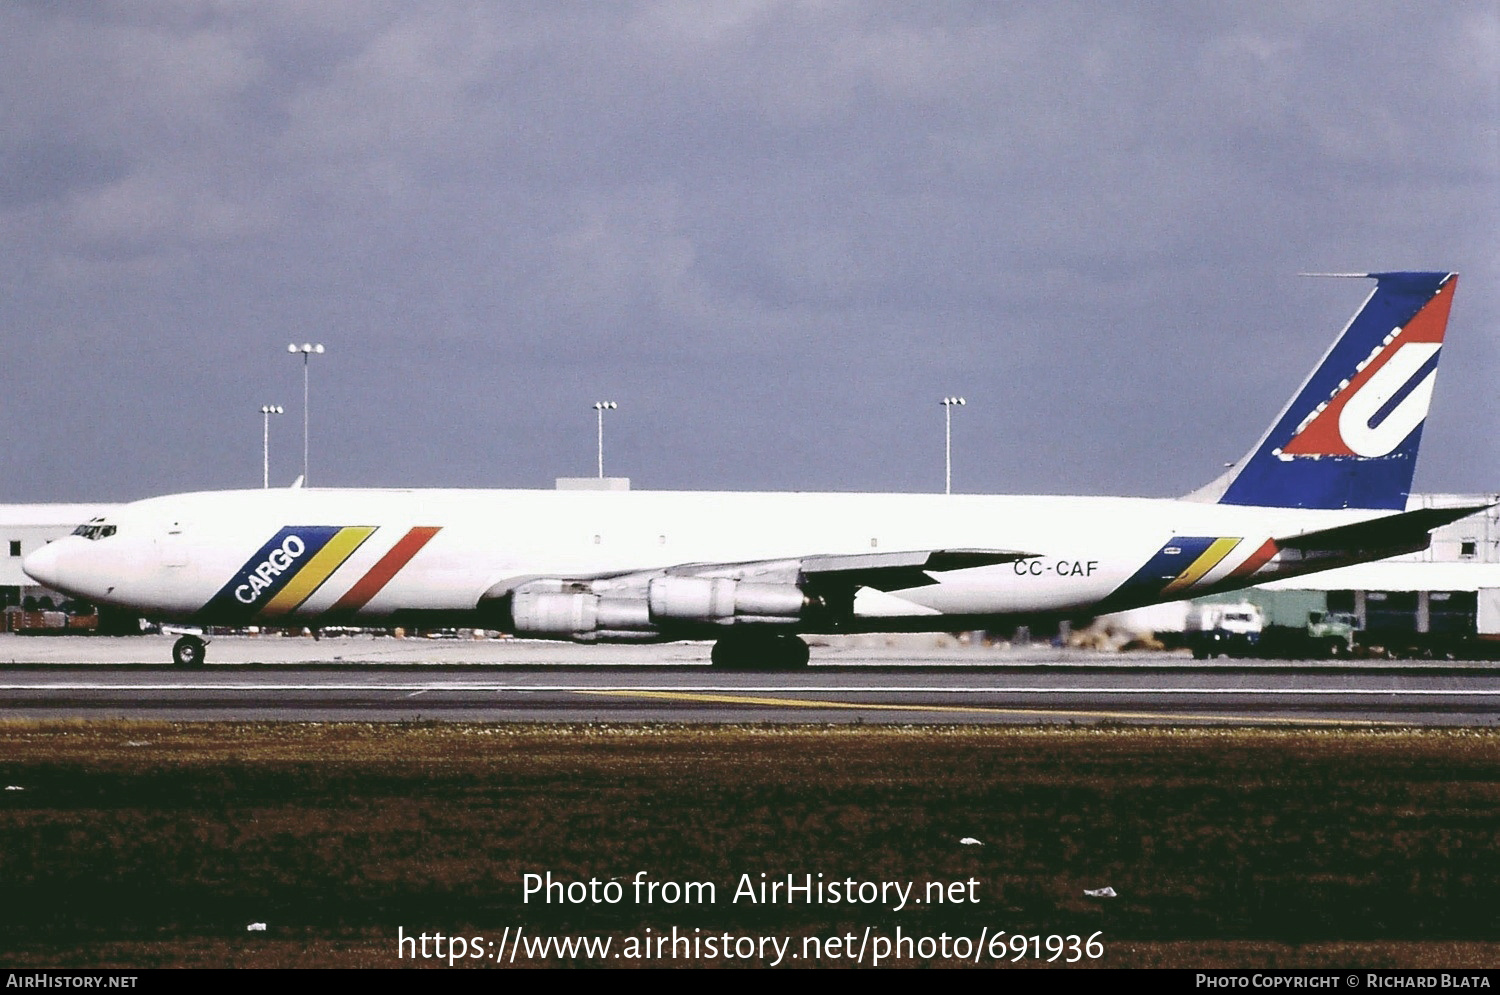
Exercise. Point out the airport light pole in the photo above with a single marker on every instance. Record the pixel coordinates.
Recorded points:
(307, 350)
(948, 403)
(266, 411)
(599, 408)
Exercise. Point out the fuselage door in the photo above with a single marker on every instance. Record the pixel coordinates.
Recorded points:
(172, 545)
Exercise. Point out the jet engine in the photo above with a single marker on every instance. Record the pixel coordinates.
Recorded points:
(575, 610)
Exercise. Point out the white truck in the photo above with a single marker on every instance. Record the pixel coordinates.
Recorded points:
(1230, 629)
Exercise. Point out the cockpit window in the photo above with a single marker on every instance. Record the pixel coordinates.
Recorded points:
(94, 529)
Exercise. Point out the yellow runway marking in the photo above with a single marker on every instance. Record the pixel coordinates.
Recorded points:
(732, 699)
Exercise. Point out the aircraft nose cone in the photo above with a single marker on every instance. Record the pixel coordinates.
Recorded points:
(41, 565)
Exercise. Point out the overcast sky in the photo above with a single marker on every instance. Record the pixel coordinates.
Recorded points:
(777, 234)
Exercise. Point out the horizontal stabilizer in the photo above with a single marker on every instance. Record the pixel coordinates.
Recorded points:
(1409, 530)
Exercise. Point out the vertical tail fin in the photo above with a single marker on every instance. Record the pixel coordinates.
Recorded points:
(1349, 436)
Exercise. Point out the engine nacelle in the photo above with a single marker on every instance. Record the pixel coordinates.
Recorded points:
(547, 613)
(548, 608)
(575, 613)
(718, 599)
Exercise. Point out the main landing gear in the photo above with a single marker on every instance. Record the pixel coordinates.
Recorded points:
(759, 651)
(189, 651)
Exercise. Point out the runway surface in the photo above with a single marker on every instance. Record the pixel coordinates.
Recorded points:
(512, 681)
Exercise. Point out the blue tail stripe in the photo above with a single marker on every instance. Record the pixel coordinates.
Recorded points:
(1166, 565)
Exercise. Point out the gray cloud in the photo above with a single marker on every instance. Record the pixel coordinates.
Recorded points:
(777, 233)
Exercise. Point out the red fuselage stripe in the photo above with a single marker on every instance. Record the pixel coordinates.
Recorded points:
(381, 573)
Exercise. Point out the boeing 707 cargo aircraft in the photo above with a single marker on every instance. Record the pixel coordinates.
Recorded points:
(1326, 486)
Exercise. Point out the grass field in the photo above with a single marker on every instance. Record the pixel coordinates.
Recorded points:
(144, 845)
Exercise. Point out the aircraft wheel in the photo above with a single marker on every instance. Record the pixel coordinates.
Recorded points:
(728, 655)
(760, 651)
(795, 653)
(189, 651)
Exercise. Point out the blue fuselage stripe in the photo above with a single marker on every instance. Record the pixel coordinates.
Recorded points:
(264, 574)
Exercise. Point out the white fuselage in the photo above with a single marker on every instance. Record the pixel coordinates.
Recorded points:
(169, 557)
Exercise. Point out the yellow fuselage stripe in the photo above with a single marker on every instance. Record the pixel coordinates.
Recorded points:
(1212, 556)
(318, 569)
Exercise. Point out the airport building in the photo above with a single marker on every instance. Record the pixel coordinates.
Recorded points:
(24, 605)
(25, 527)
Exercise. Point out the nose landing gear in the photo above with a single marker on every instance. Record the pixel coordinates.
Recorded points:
(189, 651)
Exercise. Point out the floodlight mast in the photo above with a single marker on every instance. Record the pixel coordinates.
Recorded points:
(599, 408)
(949, 403)
(307, 349)
(266, 411)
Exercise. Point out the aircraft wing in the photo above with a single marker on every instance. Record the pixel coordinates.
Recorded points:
(779, 591)
(898, 571)
(884, 571)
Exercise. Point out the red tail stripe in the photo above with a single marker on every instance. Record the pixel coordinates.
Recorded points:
(381, 573)
(1256, 560)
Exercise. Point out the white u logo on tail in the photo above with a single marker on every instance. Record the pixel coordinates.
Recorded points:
(1355, 422)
